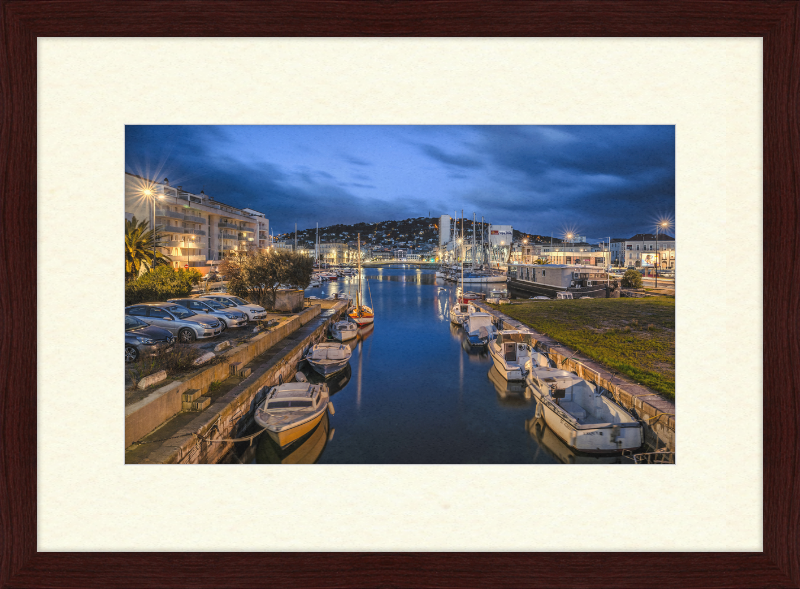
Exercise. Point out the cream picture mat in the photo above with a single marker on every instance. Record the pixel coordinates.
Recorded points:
(89, 89)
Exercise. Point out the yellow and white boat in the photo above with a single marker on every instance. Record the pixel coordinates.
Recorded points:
(293, 409)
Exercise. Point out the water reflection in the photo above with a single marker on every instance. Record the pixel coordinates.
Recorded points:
(514, 394)
(306, 450)
(415, 391)
(551, 444)
(335, 383)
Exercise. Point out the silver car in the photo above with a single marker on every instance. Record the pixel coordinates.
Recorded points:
(228, 317)
(178, 320)
(253, 312)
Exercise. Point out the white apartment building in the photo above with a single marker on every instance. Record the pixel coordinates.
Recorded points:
(644, 250)
(196, 228)
(262, 228)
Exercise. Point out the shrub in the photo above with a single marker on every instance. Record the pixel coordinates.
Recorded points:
(179, 358)
(161, 284)
(257, 276)
(632, 279)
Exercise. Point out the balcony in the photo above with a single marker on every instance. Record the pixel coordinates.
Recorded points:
(169, 214)
(226, 235)
(222, 224)
(193, 219)
(197, 243)
(246, 229)
(181, 230)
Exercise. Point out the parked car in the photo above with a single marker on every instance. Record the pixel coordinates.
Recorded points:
(228, 317)
(253, 312)
(142, 339)
(178, 320)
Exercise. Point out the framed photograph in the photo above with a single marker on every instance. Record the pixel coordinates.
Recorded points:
(79, 77)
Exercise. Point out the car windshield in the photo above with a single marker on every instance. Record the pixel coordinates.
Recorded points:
(133, 323)
(224, 302)
(213, 304)
(238, 301)
(180, 312)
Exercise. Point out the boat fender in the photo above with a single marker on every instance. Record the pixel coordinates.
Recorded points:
(538, 410)
(300, 377)
(331, 409)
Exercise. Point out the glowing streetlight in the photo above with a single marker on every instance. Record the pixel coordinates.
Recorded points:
(150, 193)
(662, 225)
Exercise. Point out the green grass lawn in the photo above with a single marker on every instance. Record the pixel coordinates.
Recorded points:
(634, 336)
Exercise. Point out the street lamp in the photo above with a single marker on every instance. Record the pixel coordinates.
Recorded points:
(664, 225)
(151, 194)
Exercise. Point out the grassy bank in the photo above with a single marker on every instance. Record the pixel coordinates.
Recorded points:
(634, 336)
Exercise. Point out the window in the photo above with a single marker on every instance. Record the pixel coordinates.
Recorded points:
(285, 404)
(138, 311)
(159, 313)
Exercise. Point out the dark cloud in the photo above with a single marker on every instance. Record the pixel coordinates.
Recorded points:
(597, 181)
(356, 161)
(461, 161)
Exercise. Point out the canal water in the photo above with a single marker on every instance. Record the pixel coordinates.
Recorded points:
(415, 391)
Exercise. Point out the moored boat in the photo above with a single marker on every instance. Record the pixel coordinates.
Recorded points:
(344, 330)
(361, 314)
(291, 410)
(328, 358)
(511, 351)
(479, 328)
(577, 412)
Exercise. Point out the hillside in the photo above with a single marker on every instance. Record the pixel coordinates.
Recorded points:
(418, 233)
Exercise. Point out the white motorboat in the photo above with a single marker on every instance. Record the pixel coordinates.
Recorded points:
(328, 358)
(540, 298)
(459, 312)
(314, 284)
(479, 328)
(344, 330)
(511, 351)
(292, 409)
(579, 414)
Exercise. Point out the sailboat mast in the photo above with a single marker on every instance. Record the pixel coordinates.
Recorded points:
(474, 240)
(358, 293)
(483, 248)
(462, 257)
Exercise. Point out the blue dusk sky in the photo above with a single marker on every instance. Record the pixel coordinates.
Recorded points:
(594, 181)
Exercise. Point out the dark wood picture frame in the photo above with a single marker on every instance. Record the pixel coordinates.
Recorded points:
(777, 22)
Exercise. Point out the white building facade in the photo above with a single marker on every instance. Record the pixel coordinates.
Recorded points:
(196, 229)
(644, 251)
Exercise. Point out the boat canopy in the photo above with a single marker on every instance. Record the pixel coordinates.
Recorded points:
(504, 337)
(292, 395)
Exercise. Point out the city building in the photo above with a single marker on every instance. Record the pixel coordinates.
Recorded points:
(644, 250)
(262, 228)
(196, 229)
(582, 254)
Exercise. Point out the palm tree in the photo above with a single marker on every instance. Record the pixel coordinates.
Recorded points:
(139, 242)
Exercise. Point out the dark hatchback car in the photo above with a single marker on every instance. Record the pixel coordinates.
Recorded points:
(142, 339)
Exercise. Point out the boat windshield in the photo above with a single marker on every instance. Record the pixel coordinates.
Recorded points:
(287, 404)
(520, 338)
